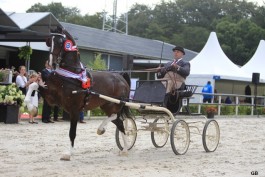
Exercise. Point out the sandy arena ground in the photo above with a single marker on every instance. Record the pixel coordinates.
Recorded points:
(35, 150)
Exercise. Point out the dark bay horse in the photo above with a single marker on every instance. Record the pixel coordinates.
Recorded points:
(69, 76)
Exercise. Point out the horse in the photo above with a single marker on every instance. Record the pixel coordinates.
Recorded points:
(65, 59)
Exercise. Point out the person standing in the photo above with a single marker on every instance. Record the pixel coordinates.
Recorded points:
(81, 117)
(31, 98)
(21, 80)
(175, 72)
(46, 109)
(248, 93)
(209, 90)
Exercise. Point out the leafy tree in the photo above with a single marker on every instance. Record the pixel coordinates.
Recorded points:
(139, 18)
(239, 24)
(239, 40)
(57, 9)
(98, 63)
(94, 21)
(258, 16)
(194, 37)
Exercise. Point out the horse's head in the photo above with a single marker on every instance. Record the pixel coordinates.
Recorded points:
(63, 50)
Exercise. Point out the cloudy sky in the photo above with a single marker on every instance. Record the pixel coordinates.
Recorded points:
(85, 6)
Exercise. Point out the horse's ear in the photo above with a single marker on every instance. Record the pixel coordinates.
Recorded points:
(53, 30)
(60, 29)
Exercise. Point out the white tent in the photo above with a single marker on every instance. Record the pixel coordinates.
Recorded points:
(211, 64)
(212, 61)
(257, 62)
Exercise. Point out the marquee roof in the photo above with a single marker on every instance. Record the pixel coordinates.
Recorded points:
(257, 62)
(212, 61)
(26, 26)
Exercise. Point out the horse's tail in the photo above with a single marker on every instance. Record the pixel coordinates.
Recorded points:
(125, 111)
(127, 78)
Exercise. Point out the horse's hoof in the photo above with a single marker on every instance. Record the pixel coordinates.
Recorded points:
(65, 157)
(124, 153)
(101, 132)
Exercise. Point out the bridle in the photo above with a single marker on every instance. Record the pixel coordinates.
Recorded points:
(58, 55)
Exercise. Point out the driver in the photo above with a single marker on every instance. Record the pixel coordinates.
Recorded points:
(175, 72)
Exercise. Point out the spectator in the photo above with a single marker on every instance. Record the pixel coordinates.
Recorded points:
(21, 80)
(228, 100)
(248, 93)
(207, 89)
(81, 116)
(31, 98)
(47, 109)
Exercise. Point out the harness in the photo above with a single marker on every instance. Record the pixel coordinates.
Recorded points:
(84, 76)
(73, 82)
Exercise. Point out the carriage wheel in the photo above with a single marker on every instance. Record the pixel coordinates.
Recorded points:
(210, 135)
(160, 132)
(130, 131)
(180, 137)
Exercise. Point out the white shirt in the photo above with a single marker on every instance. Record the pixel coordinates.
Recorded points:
(32, 100)
(21, 81)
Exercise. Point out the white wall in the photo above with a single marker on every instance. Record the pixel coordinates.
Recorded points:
(199, 80)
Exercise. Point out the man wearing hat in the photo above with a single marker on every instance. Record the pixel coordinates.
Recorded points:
(175, 72)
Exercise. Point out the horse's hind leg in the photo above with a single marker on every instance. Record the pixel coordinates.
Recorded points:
(119, 123)
(101, 129)
(72, 135)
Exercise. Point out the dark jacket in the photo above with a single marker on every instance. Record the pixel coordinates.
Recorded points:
(184, 69)
(44, 74)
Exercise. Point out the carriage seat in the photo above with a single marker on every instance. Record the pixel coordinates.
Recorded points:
(186, 91)
(183, 95)
(154, 92)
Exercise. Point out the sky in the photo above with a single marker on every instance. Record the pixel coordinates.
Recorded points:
(85, 6)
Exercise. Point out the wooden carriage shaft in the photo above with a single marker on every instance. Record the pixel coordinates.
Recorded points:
(136, 105)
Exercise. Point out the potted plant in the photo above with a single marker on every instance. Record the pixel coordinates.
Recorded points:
(11, 101)
(6, 75)
(25, 52)
(210, 111)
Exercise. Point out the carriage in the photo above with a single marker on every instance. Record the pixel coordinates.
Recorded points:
(167, 122)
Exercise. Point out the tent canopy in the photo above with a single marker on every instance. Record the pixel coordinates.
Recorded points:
(213, 62)
(257, 62)
(26, 26)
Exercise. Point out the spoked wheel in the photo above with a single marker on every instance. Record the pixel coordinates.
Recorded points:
(160, 132)
(180, 137)
(210, 136)
(130, 133)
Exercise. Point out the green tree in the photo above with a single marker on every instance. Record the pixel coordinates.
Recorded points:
(94, 21)
(239, 24)
(98, 63)
(139, 18)
(258, 17)
(57, 9)
(239, 40)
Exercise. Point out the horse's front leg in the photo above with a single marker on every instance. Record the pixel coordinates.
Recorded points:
(72, 135)
(101, 129)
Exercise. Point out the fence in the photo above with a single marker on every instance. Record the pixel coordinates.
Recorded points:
(237, 101)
